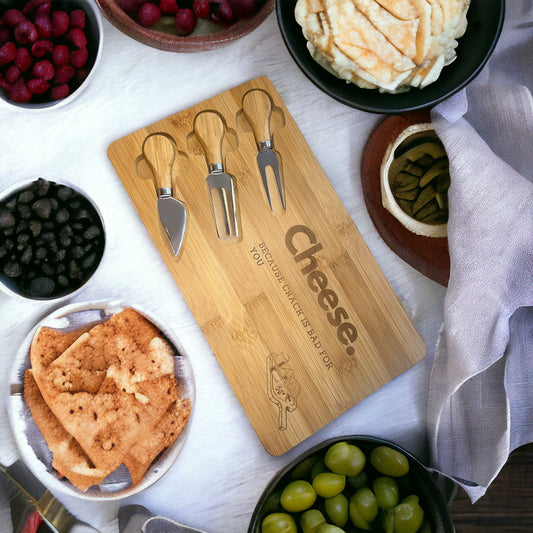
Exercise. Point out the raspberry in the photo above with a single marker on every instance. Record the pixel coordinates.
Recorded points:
(77, 19)
(5, 35)
(185, 21)
(12, 74)
(64, 74)
(61, 55)
(34, 6)
(23, 60)
(12, 17)
(45, 7)
(169, 7)
(202, 8)
(77, 37)
(25, 32)
(38, 85)
(8, 53)
(130, 7)
(43, 24)
(43, 69)
(19, 92)
(244, 8)
(60, 23)
(41, 48)
(81, 75)
(3, 83)
(79, 57)
(59, 92)
(149, 14)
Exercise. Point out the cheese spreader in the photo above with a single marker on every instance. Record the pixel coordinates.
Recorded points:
(257, 108)
(209, 129)
(159, 151)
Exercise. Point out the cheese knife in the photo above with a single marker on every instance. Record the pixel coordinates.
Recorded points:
(159, 151)
(209, 129)
(24, 490)
(257, 108)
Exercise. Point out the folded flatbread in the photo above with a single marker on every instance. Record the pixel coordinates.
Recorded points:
(390, 45)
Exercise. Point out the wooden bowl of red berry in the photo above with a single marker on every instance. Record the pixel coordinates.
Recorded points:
(48, 50)
(186, 25)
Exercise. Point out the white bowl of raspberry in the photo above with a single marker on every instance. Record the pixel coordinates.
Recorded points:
(186, 25)
(48, 51)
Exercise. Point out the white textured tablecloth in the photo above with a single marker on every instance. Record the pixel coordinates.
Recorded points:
(223, 468)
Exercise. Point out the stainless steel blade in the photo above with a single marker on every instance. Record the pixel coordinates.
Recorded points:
(222, 195)
(26, 486)
(173, 217)
(267, 158)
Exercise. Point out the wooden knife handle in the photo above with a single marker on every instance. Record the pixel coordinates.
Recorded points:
(209, 130)
(159, 151)
(257, 109)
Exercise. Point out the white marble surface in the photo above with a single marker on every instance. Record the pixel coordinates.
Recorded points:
(223, 467)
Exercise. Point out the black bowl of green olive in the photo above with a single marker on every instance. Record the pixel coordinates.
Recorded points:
(352, 484)
(52, 239)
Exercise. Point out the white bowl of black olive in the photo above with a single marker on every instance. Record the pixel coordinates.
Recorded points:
(52, 239)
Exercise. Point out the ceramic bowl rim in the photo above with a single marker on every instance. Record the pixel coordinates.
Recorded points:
(56, 104)
(19, 186)
(175, 43)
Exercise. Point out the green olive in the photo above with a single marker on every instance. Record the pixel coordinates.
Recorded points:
(389, 461)
(329, 528)
(303, 469)
(408, 515)
(328, 484)
(278, 523)
(386, 491)
(358, 481)
(311, 520)
(345, 458)
(317, 468)
(337, 509)
(363, 508)
(298, 496)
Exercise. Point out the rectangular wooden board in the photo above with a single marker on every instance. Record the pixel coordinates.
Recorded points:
(297, 311)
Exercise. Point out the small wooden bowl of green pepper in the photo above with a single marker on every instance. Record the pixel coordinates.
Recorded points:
(353, 484)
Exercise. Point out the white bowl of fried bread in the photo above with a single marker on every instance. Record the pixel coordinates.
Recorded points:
(101, 395)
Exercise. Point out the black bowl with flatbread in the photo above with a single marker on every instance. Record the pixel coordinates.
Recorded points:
(100, 400)
(474, 48)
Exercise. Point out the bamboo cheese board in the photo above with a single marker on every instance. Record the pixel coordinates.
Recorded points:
(294, 306)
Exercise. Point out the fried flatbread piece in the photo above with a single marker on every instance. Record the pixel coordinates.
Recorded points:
(68, 457)
(167, 430)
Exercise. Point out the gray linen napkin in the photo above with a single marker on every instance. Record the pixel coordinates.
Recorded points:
(480, 404)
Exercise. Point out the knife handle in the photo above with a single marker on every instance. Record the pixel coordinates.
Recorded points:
(257, 109)
(209, 130)
(159, 151)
